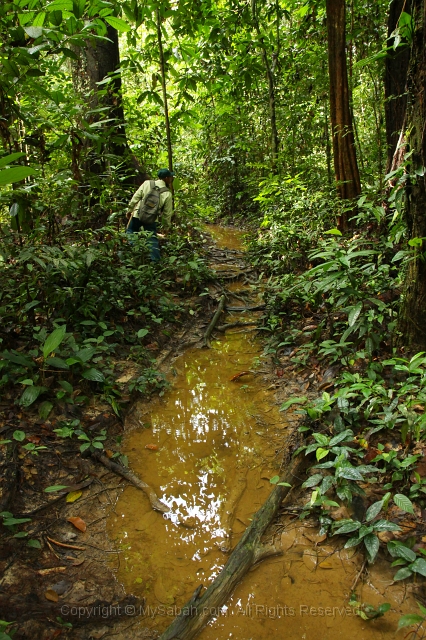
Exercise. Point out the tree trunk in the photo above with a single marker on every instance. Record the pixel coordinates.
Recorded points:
(271, 90)
(395, 82)
(345, 162)
(164, 88)
(413, 312)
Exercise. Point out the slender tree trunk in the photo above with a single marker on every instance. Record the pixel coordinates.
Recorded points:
(164, 88)
(271, 90)
(395, 82)
(413, 311)
(345, 162)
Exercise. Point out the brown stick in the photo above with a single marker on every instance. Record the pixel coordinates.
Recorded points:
(248, 551)
(156, 504)
(68, 546)
(214, 321)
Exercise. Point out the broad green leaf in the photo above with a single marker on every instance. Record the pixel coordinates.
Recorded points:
(34, 544)
(15, 174)
(385, 525)
(333, 232)
(117, 23)
(60, 5)
(372, 545)
(11, 522)
(409, 619)
(288, 403)
(30, 395)
(54, 340)
(348, 527)
(403, 503)
(321, 453)
(274, 480)
(5, 160)
(19, 435)
(350, 473)
(354, 314)
(399, 550)
(142, 333)
(341, 437)
(321, 439)
(57, 363)
(374, 510)
(419, 566)
(93, 374)
(403, 573)
(17, 359)
(312, 481)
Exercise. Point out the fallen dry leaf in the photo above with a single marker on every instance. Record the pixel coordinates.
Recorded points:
(151, 447)
(109, 453)
(51, 595)
(72, 496)
(238, 375)
(78, 523)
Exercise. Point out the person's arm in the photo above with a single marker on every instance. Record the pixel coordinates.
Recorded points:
(137, 197)
(167, 212)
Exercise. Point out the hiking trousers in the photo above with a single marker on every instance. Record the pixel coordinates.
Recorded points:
(136, 225)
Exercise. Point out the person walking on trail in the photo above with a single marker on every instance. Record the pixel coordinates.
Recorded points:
(152, 201)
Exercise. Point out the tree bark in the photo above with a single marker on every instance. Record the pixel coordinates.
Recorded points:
(395, 82)
(345, 162)
(271, 90)
(412, 322)
(164, 88)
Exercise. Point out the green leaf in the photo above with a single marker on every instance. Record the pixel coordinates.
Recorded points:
(385, 525)
(93, 374)
(419, 566)
(5, 160)
(274, 480)
(348, 527)
(288, 403)
(350, 473)
(15, 174)
(372, 545)
(333, 232)
(18, 359)
(344, 436)
(403, 503)
(117, 23)
(34, 544)
(374, 510)
(54, 340)
(354, 314)
(403, 573)
(30, 395)
(321, 453)
(19, 436)
(10, 522)
(400, 550)
(66, 386)
(312, 481)
(409, 619)
(58, 363)
(56, 487)
(142, 333)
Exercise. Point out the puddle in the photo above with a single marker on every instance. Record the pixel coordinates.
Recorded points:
(226, 237)
(216, 443)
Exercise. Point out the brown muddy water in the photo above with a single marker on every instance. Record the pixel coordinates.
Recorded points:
(218, 442)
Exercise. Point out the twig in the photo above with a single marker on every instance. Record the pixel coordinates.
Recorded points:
(67, 546)
(214, 321)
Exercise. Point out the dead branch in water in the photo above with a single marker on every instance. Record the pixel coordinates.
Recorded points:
(214, 321)
(199, 610)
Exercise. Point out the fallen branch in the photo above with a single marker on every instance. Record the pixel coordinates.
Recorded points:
(214, 321)
(67, 546)
(248, 551)
(156, 504)
(233, 325)
(257, 307)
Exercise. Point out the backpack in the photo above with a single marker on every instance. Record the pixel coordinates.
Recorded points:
(150, 205)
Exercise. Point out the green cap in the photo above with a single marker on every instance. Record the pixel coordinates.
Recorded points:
(165, 173)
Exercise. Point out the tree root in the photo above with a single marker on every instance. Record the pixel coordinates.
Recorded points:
(214, 321)
(156, 504)
(248, 551)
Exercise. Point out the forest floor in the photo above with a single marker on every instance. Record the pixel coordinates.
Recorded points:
(68, 588)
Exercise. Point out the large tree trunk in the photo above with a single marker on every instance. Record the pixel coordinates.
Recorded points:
(395, 82)
(164, 90)
(271, 89)
(413, 311)
(345, 162)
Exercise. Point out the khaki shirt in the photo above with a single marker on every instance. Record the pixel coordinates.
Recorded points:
(166, 202)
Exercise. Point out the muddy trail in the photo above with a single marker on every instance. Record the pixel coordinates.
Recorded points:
(210, 447)
(179, 545)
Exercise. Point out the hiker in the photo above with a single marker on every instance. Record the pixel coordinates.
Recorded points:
(151, 201)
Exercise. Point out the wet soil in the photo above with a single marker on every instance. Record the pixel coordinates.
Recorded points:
(210, 447)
